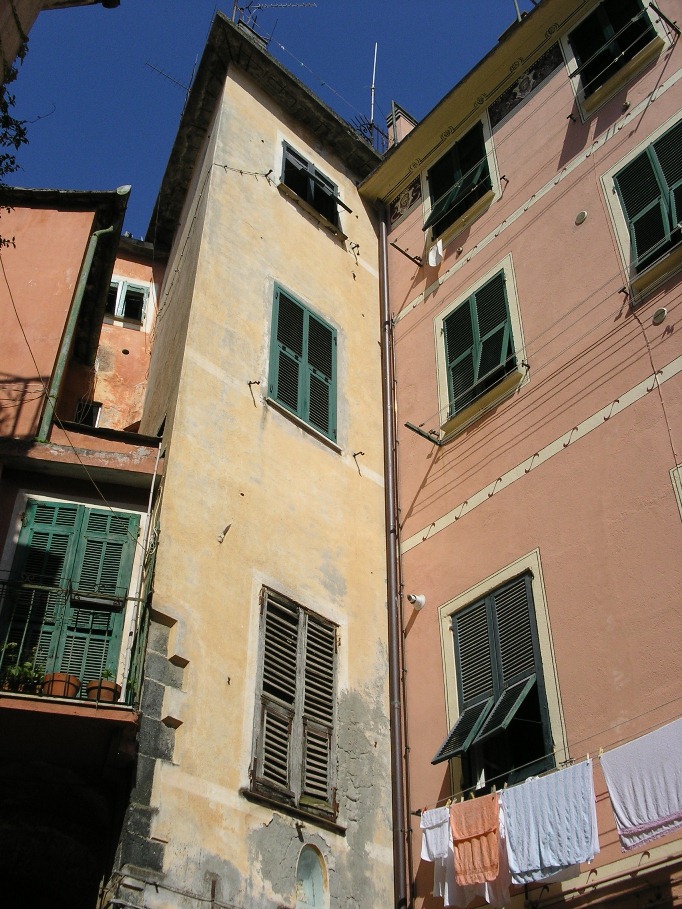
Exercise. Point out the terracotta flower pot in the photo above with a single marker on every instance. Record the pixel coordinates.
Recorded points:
(61, 685)
(103, 690)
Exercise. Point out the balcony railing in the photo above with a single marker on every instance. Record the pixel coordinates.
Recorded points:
(47, 629)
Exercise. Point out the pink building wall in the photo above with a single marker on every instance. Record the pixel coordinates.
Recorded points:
(575, 465)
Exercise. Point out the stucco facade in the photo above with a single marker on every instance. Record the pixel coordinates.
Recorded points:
(562, 465)
(263, 507)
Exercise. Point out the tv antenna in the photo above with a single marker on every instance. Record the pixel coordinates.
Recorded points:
(249, 9)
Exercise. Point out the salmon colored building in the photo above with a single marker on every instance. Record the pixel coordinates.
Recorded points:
(75, 492)
(532, 283)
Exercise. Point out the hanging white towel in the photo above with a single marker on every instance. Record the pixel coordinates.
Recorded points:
(551, 824)
(435, 825)
(644, 779)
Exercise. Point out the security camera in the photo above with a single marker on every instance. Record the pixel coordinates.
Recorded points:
(418, 600)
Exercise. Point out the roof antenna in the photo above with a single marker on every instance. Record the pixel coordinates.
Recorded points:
(371, 108)
(518, 11)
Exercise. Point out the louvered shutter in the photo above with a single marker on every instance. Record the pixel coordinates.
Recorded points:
(90, 642)
(318, 709)
(33, 614)
(457, 180)
(105, 554)
(517, 650)
(295, 173)
(321, 349)
(459, 350)
(668, 152)
(278, 695)
(644, 207)
(475, 678)
(494, 332)
(287, 353)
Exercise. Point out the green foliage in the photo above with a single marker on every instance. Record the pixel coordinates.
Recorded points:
(13, 132)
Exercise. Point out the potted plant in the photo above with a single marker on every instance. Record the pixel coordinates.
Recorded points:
(104, 688)
(61, 685)
(24, 677)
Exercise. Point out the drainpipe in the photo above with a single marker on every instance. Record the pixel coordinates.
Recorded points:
(71, 322)
(393, 597)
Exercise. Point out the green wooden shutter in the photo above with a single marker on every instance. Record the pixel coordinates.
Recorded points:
(33, 615)
(105, 554)
(478, 343)
(278, 693)
(475, 678)
(321, 356)
(459, 350)
(668, 153)
(517, 650)
(90, 641)
(644, 207)
(287, 353)
(318, 709)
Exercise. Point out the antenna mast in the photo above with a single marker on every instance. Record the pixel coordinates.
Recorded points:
(371, 108)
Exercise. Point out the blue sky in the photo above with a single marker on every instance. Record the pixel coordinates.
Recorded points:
(100, 116)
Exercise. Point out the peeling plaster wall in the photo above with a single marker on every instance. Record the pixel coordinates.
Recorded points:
(252, 499)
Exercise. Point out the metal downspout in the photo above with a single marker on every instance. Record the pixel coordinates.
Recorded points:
(65, 347)
(393, 597)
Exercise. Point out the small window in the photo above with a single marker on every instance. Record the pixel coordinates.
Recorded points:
(88, 413)
(458, 180)
(303, 364)
(296, 705)
(607, 40)
(310, 185)
(127, 301)
(502, 733)
(479, 348)
(650, 192)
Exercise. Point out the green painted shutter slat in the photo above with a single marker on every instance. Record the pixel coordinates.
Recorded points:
(457, 180)
(106, 550)
(668, 152)
(287, 353)
(506, 708)
(459, 350)
(640, 194)
(90, 642)
(472, 654)
(515, 629)
(321, 349)
(463, 733)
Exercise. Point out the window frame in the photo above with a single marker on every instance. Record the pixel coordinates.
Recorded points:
(317, 186)
(453, 421)
(530, 565)
(123, 286)
(649, 277)
(478, 205)
(301, 721)
(309, 407)
(589, 103)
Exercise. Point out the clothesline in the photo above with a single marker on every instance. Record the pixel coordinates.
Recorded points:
(471, 790)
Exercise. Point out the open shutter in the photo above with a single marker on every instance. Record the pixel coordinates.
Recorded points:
(494, 332)
(278, 696)
(321, 349)
(105, 554)
(644, 207)
(516, 643)
(287, 353)
(34, 610)
(318, 709)
(295, 173)
(475, 679)
(668, 151)
(459, 350)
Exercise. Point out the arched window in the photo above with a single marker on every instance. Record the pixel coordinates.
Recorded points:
(311, 880)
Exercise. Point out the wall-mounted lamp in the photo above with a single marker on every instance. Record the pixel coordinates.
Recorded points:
(418, 600)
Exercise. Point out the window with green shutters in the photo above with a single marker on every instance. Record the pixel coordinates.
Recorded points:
(64, 604)
(479, 349)
(607, 39)
(502, 733)
(296, 704)
(310, 185)
(458, 180)
(303, 364)
(650, 192)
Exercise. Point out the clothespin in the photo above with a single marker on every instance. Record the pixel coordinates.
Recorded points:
(448, 803)
(601, 751)
(588, 756)
(472, 795)
(494, 789)
(505, 785)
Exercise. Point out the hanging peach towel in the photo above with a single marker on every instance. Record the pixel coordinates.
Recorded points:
(475, 838)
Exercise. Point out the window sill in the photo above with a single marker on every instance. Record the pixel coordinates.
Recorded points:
(303, 425)
(325, 822)
(653, 276)
(479, 207)
(124, 321)
(606, 91)
(313, 212)
(491, 398)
